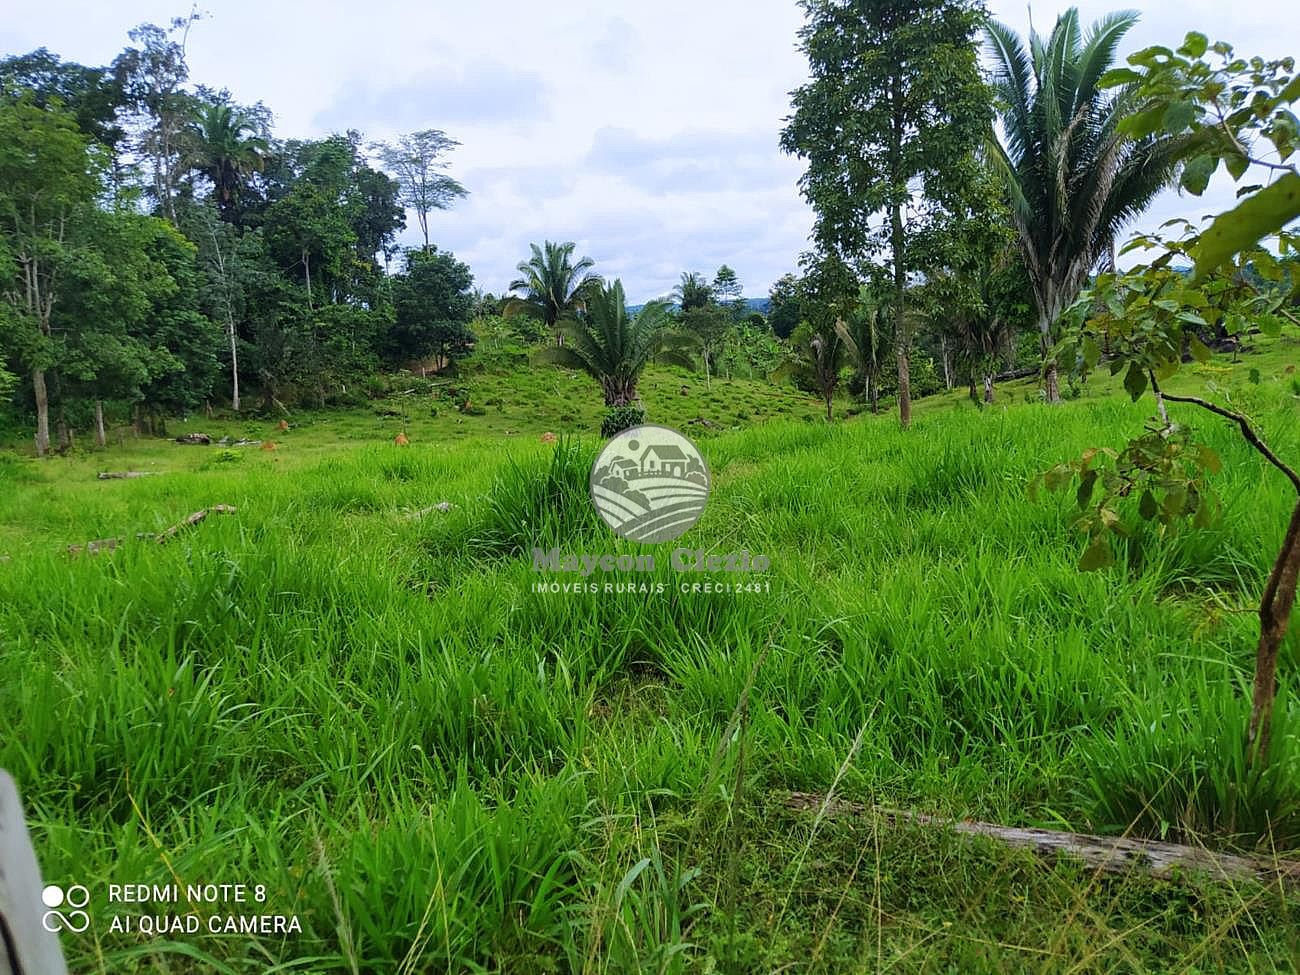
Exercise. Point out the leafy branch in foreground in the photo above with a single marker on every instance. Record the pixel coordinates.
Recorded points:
(1149, 315)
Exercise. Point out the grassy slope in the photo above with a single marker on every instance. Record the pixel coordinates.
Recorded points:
(320, 683)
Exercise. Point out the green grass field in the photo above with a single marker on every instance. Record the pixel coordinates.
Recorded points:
(362, 705)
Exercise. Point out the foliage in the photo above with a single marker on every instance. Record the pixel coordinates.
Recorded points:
(554, 287)
(895, 100)
(614, 347)
(620, 418)
(784, 313)
(414, 159)
(1074, 176)
(1222, 109)
(432, 301)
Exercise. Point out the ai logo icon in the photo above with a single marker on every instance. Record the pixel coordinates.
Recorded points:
(650, 484)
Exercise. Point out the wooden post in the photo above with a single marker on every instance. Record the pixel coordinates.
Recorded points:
(26, 946)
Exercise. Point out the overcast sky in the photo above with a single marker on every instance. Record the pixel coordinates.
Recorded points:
(646, 132)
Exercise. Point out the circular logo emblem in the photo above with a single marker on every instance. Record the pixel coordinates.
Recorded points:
(650, 484)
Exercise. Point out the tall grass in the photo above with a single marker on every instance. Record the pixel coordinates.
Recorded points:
(359, 701)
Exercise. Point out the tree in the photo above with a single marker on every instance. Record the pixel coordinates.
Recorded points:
(865, 334)
(228, 144)
(614, 347)
(711, 325)
(1072, 177)
(888, 124)
(728, 292)
(784, 311)
(434, 303)
(554, 287)
(48, 180)
(692, 292)
(1150, 314)
(414, 160)
(151, 77)
(230, 260)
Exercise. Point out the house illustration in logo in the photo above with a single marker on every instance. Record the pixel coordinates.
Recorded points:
(664, 460)
(649, 484)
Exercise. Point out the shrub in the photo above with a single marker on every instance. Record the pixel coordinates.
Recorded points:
(620, 418)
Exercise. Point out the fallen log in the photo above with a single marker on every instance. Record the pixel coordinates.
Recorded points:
(1108, 854)
(190, 521)
(194, 438)
(95, 547)
(123, 475)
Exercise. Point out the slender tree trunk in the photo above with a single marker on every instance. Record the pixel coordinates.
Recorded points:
(1274, 619)
(947, 366)
(42, 412)
(234, 366)
(898, 245)
(988, 387)
(970, 386)
(101, 440)
(829, 396)
(306, 273)
(1051, 382)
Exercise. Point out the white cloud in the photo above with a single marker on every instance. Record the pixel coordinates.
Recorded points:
(648, 133)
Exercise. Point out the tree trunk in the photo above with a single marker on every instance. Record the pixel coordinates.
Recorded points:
(306, 273)
(947, 366)
(829, 397)
(234, 368)
(1274, 618)
(42, 412)
(898, 244)
(988, 387)
(1051, 381)
(970, 386)
(100, 439)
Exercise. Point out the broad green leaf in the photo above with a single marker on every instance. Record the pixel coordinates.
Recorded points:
(1197, 172)
(1236, 164)
(1119, 76)
(1086, 484)
(1147, 506)
(1178, 116)
(1194, 45)
(1135, 381)
(1249, 222)
(1097, 556)
(1209, 459)
(1200, 351)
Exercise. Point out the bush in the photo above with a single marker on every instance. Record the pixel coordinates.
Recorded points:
(620, 418)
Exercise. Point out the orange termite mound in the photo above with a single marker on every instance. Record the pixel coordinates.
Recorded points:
(401, 440)
(284, 425)
(268, 445)
(548, 437)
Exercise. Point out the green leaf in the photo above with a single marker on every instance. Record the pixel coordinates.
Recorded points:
(1250, 221)
(1194, 44)
(1119, 76)
(1178, 116)
(1097, 556)
(1086, 484)
(1197, 172)
(1147, 507)
(1200, 351)
(1135, 381)
(1209, 459)
(1236, 164)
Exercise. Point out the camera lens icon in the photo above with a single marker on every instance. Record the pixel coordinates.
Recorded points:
(75, 897)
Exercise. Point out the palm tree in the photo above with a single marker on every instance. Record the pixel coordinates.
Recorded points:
(614, 347)
(867, 336)
(554, 287)
(227, 147)
(693, 292)
(1072, 179)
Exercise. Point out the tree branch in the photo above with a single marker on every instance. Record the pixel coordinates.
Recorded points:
(1247, 430)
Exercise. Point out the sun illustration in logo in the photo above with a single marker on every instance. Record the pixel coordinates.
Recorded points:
(650, 484)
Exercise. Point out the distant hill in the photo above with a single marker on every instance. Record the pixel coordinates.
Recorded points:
(760, 305)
